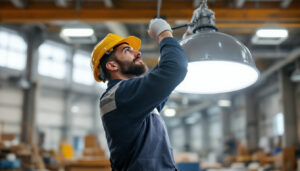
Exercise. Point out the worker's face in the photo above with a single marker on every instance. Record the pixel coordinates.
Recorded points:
(130, 60)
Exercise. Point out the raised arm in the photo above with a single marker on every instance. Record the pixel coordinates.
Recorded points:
(142, 94)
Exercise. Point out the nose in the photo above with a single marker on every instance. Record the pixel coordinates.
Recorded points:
(138, 53)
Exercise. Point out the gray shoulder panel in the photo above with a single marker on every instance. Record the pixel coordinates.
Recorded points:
(155, 111)
(108, 102)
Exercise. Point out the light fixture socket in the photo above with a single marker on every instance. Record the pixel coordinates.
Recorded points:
(203, 19)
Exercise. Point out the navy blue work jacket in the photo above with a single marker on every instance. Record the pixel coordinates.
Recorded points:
(136, 133)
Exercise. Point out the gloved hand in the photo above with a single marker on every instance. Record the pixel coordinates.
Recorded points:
(157, 26)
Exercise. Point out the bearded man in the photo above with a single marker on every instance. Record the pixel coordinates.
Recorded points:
(136, 133)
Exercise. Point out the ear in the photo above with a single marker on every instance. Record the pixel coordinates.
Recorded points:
(112, 66)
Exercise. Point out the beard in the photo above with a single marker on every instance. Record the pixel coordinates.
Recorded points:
(131, 68)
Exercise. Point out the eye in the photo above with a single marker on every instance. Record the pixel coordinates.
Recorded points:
(128, 49)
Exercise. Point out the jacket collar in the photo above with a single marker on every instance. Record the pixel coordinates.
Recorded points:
(112, 83)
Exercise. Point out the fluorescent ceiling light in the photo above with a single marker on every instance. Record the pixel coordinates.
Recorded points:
(210, 77)
(75, 109)
(272, 33)
(224, 103)
(170, 112)
(77, 32)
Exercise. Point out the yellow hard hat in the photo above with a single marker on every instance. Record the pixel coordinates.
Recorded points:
(107, 45)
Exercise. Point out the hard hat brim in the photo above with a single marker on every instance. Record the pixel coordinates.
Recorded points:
(132, 41)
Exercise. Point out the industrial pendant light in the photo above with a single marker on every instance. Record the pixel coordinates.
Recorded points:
(218, 63)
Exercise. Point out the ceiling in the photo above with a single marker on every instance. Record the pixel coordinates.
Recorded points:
(239, 18)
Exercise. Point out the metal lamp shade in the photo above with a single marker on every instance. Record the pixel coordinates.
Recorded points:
(218, 63)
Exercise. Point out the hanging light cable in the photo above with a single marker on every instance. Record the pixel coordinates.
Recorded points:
(218, 62)
(158, 8)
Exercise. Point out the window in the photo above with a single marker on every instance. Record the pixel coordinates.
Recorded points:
(278, 124)
(13, 49)
(53, 58)
(82, 72)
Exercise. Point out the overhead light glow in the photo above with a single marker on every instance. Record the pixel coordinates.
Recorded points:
(77, 32)
(75, 109)
(272, 33)
(210, 77)
(224, 103)
(170, 112)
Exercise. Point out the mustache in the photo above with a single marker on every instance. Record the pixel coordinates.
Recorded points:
(138, 57)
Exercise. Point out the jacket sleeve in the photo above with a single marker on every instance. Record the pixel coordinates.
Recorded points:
(162, 104)
(141, 95)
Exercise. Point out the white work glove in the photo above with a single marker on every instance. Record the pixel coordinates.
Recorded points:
(157, 26)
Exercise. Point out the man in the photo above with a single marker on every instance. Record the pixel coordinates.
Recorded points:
(135, 132)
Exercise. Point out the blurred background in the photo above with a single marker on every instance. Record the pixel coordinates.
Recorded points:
(49, 101)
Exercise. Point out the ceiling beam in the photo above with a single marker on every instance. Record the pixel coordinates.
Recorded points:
(292, 57)
(268, 54)
(144, 15)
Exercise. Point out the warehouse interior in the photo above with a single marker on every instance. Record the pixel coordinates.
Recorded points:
(49, 100)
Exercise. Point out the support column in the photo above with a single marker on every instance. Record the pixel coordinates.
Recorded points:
(287, 89)
(252, 126)
(67, 117)
(187, 136)
(33, 39)
(206, 132)
(96, 116)
(298, 110)
(68, 99)
(226, 128)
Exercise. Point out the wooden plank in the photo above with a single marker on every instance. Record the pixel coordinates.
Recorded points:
(47, 12)
(222, 15)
